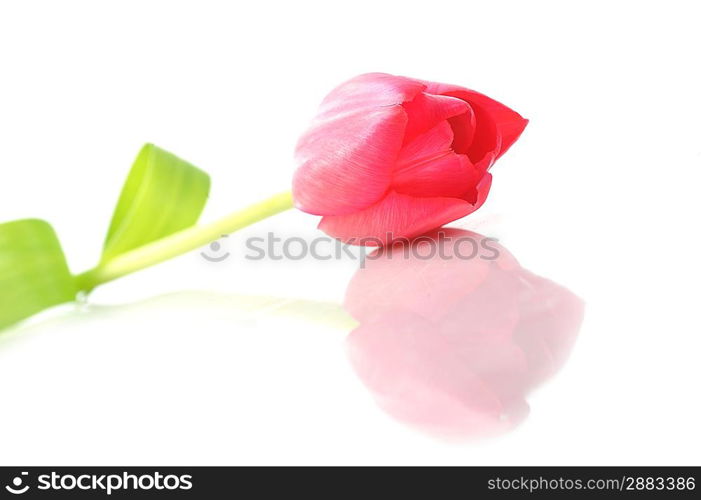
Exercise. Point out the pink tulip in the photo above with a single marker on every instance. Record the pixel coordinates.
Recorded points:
(392, 157)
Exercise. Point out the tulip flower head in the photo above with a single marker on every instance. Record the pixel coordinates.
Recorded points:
(392, 157)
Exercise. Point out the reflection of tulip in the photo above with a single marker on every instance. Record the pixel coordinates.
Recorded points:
(388, 154)
(452, 344)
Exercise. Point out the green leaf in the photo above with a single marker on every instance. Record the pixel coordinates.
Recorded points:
(33, 271)
(162, 195)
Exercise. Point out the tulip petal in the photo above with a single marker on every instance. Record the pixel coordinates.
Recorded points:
(433, 142)
(428, 167)
(498, 126)
(345, 162)
(369, 91)
(451, 175)
(399, 216)
(345, 159)
(464, 127)
(478, 195)
(426, 111)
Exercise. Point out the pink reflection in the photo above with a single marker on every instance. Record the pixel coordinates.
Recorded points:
(453, 344)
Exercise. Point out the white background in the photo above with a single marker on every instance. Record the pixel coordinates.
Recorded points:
(168, 367)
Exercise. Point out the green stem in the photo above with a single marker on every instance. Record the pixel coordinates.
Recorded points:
(181, 242)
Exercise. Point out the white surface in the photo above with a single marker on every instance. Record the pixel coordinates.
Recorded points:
(600, 195)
